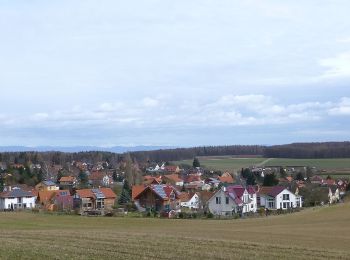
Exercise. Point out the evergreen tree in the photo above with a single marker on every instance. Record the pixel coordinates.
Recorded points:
(83, 179)
(270, 180)
(1, 183)
(125, 195)
(196, 163)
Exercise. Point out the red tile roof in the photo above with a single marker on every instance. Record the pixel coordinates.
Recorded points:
(226, 179)
(67, 179)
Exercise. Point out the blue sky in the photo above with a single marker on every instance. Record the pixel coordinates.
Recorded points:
(179, 73)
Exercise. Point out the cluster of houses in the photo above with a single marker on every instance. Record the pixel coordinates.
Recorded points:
(226, 201)
(47, 195)
(220, 195)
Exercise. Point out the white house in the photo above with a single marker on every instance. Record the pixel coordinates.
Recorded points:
(15, 198)
(233, 199)
(189, 200)
(278, 197)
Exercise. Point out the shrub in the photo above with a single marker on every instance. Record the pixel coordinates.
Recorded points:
(210, 215)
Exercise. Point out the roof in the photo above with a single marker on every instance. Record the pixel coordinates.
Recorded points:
(185, 196)
(85, 193)
(97, 176)
(192, 178)
(48, 183)
(161, 190)
(47, 195)
(205, 195)
(171, 168)
(67, 179)
(271, 191)
(16, 193)
(173, 177)
(136, 190)
(226, 179)
(108, 192)
(105, 193)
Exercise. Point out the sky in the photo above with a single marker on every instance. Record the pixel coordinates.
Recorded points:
(174, 73)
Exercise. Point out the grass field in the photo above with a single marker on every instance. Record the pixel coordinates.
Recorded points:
(226, 163)
(322, 233)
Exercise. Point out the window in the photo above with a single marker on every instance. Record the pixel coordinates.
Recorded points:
(227, 200)
(271, 203)
(298, 203)
(285, 196)
(251, 205)
(218, 200)
(285, 205)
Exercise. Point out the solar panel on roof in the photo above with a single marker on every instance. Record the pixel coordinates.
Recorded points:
(99, 194)
(160, 191)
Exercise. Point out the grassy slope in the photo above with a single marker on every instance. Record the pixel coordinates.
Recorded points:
(312, 234)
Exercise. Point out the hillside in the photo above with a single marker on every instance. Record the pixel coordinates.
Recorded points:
(321, 233)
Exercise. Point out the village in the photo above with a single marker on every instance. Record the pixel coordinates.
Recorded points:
(165, 190)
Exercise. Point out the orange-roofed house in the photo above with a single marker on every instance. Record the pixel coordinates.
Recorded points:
(55, 200)
(189, 200)
(158, 198)
(227, 178)
(94, 199)
(173, 179)
(98, 179)
(151, 180)
(68, 182)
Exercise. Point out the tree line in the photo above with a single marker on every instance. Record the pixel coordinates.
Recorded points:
(296, 150)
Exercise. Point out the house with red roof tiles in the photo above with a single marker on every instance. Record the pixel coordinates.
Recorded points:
(189, 200)
(100, 179)
(158, 198)
(54, 200)
(94, 199)
(233, 199)
(278, 197)
(173, 179)
(68, 182)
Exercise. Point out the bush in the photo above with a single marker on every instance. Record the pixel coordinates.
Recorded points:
(210, 215)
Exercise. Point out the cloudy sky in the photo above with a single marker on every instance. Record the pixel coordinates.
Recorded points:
(179, 73)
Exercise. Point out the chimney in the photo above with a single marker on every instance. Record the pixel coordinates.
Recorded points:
(10, 188)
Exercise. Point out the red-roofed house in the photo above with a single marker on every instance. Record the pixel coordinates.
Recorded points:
(55, 200)
(94, 199)
(173, 179)
(98, 179)
(159, 198)
(278, 197)
(226, 179)
(189, 200)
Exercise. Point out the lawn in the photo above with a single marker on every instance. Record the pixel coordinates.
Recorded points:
(321, 233)
(226, 163)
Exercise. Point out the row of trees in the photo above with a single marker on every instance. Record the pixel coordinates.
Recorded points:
(309, 150)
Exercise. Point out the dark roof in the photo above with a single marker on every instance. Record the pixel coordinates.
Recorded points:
(271, 191)
(16, 193)
(49, 183)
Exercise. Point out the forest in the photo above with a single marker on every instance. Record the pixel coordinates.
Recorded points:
(295, 150)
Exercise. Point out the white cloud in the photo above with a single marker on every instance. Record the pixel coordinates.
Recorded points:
(228, 110)
(338, 66)
(341, 109)
(150, 102)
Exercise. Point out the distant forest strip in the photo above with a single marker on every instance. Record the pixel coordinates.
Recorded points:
(296, 150)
